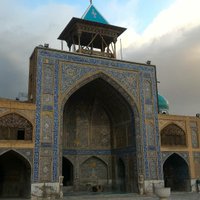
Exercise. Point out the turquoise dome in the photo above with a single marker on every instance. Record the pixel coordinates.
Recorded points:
(163, 105)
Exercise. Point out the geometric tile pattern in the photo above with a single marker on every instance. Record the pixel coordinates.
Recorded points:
(64, 72)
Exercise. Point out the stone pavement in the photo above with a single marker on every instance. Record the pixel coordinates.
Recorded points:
(174, 196)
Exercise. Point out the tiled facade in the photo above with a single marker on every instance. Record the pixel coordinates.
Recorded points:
(55, 76)
(59, 75)
(190, 151)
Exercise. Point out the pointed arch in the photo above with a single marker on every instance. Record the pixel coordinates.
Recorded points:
(94, 157)
(67, 172)
(19, 114)
(109, 94)
(115, 125)
(117, 86)
(121, 175)
(16, 152)
(15, 175)
(176, 153)
(94, 170)
(170, 123)
(176, 173)
(172, 135)
(15, 127)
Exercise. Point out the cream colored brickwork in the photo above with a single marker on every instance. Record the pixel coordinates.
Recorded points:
(190, 125)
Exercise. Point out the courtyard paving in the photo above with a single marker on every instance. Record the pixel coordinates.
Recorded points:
(174, 196)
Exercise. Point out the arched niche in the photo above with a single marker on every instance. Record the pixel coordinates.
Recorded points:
(176, 173)
(67, 172)
(15, 127)
(15, 176)
(173, 135)
(98, 116)
(94, 171)
(121, 175)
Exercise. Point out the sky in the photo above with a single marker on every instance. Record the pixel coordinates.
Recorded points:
(166, 32)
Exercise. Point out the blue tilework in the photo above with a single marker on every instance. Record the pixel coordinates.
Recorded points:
(148, 101)
(154, 119)
(127, 150)
(56, 128)
(101, 62)
(109, 63)
(160, 171)
(47, 108)
(144, 139)
(38, 111)
(86, 152)
(71, 73)
(46, 145)
(151, 148)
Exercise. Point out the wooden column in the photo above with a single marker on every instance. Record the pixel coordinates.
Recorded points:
(79, 42)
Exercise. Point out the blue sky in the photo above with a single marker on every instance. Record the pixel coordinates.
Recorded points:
(147, 10)
(163, 31)
(144, 11)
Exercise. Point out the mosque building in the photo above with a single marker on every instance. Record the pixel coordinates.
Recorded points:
(93, 123)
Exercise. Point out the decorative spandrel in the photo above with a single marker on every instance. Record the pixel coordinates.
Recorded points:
(71, 74)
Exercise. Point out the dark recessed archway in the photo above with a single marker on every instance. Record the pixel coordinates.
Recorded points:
(176, 173)
(67, 172)
(121, 175)
(15, 176)
(99, 117)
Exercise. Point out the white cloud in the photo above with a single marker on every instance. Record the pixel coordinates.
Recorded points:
(183, 14)
(171, 41)
(21, 29)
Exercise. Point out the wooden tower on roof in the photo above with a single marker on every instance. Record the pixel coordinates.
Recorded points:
(91, 34)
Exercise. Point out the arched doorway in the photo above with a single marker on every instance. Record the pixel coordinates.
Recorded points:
(121, 176)
(15, 175)
(98, 118)
(176, 173)
(67, 172)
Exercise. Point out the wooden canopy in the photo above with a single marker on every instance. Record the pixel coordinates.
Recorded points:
(89, 35)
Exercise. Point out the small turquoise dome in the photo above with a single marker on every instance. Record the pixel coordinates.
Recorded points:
(163, 105)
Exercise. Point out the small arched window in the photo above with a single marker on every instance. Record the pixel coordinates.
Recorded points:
(173, 135)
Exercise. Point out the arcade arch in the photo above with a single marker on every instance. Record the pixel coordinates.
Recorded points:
(176, 173)
(97, 117)
(15, 175)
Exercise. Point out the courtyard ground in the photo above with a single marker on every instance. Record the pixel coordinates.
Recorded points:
(174, 196)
